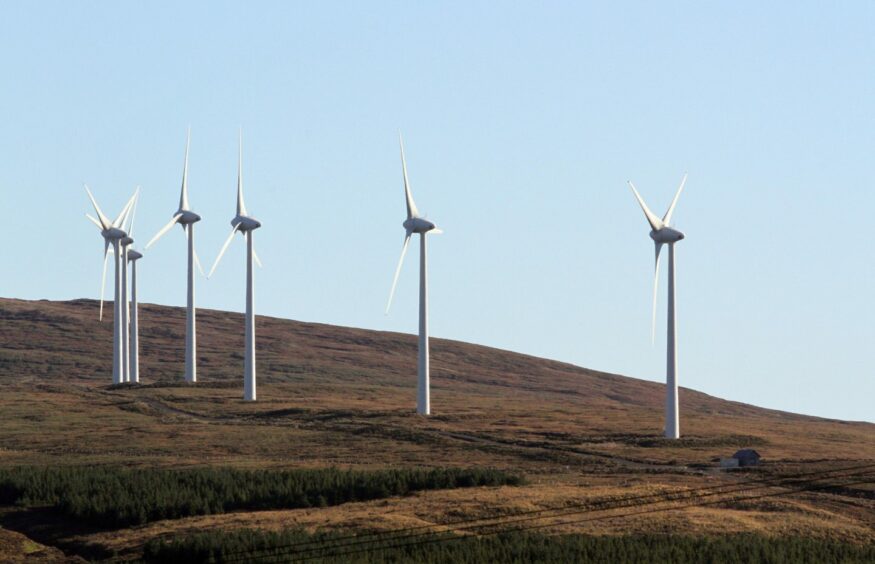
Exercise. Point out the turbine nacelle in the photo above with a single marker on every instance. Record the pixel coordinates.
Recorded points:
(126, 240)
(245, 223)
(666, 235)
(418, 225)
(114, 234)
(134, 255)
(187, 217)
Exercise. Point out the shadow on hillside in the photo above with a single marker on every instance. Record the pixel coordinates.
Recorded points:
(220, 384)
(658, 441)
(46, 526)
(329, 414)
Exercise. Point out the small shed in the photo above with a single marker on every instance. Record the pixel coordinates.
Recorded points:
(747, 457)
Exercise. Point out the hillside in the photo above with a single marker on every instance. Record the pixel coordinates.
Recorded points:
(335, 396)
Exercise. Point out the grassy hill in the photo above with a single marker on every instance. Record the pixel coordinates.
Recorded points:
(343, 397)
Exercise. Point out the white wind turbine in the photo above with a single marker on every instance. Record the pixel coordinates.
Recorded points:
(186, 218)
(245, 224)
(113, 233)
(416, 224)
(663, 234)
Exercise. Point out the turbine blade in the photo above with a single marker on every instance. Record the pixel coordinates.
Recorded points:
(257, 260)
(411, 206)
(398, 271)
(667, 218)
(164, 230)
(134, 214)
(655, 286)
(200, 268)
(104, 221)
(183, 194)
(103, 276)
(655, 222)
(197, 261)
(94, 221)
(241, 206)
(222, 252)
(124, 213)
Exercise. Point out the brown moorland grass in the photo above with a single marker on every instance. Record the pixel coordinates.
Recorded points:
(335, 396)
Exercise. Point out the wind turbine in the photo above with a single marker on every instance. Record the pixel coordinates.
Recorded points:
(186, 218)
(112, 233)
(245, 224)
(663, 234)
(416, 224)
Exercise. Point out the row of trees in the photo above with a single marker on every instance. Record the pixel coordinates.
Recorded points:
(253, 545)
(117, 497)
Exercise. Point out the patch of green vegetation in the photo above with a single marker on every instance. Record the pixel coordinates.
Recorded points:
(116, 497)
(29, 547)
(249, 545)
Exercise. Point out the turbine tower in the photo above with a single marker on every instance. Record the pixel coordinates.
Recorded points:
(245, 224)
(113, 233)
(186, 218)
(416, 224)
(124, 243)
(132, 331)
(133, 257)
(663, 234)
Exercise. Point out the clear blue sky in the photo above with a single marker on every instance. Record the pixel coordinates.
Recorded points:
(522, 124)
